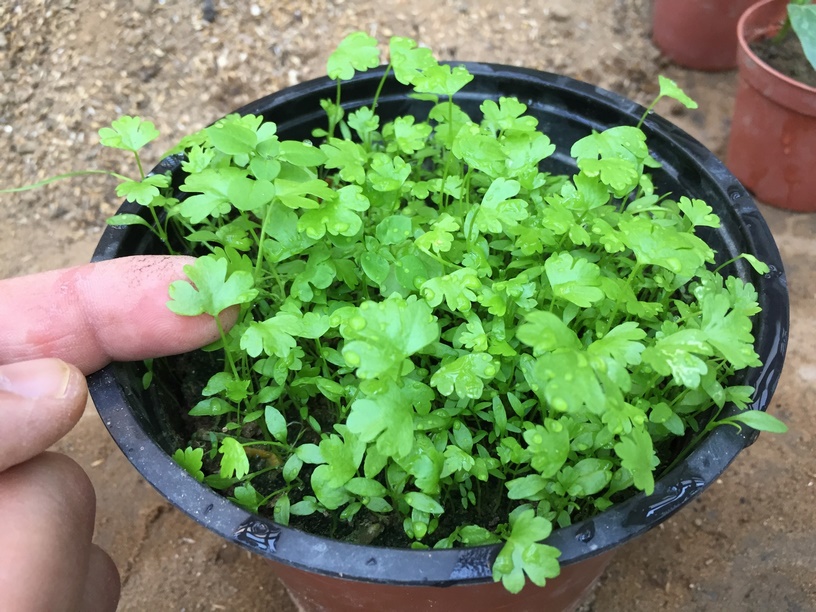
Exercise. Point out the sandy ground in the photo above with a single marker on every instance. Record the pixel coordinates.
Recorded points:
(68, 67)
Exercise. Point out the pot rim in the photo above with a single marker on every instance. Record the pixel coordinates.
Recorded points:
(577, 542)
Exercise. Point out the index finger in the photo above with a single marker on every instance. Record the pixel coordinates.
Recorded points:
(96, 313)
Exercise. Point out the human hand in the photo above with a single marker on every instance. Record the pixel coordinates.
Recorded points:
(86, 317)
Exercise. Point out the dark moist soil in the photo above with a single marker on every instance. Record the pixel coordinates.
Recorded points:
(787, 57)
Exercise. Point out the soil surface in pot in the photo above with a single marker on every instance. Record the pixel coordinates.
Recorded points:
(787, 57)
(746, 544)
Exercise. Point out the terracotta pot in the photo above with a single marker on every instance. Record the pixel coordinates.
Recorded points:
(333, 575)
(698, 34)
(772, 146)
(313, 593)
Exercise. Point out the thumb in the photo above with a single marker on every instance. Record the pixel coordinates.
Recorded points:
(40, 401)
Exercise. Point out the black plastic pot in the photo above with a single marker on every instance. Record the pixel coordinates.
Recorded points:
(141, 421)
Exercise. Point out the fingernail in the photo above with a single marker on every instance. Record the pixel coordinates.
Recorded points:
(39, 378)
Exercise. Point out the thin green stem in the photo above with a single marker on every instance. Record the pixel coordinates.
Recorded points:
(60, 177)
(259, 260)
(712, 423)
(139, 164)
(648, 110)
(610, 322)
(228, 354)
(380, 87)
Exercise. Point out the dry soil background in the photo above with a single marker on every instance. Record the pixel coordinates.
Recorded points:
(68, 67)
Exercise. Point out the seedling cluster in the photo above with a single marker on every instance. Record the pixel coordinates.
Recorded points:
(439, 342)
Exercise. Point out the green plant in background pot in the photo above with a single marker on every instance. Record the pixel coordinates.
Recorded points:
(801, 19)
(439, 342)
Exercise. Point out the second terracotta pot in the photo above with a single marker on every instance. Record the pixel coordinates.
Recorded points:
(772, 145)
(698, 34)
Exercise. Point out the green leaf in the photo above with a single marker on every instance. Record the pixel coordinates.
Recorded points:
(621, 142)
(548, 446)
(211, 291)
(465, 375)
(457, 289)
(378, 504)
(336, 215)
(357, 51)
(653, 244)
(442, 79)
(568, 382)
(143, 192)
(375, 266)
(526, 487)
(456, 460)
(275, 423)
(291, 469)
(440, 238)
(728, 331)
(670, 89)
(388, 173)
(497, 212)
(621, 343)
(406, 136)
(212, 406)
(575, 280)
(619, 174)
(637, 455)
(474, 535)
(698, 212)
(761, 421)
(246, 496)
(273, 336)
(250, 195)
(281, 512)
(301, 153)
(331, 496)
(191, 459)
(387, 416)
(365, 487)
(343, 456)
(803, 21)
(677, 355)
(545, 332)
(423, 502)
(523, 554)
(294, 194)
(310, 453)
(587, 477)
(305, 507)
(235, 134)
(128, 133)
(127, 219)
(507, 115)
(234, 461)
(759, 266)
(286, 240)
(408, 60)
(383, 334)
(348, 157)
(225, 383)
(393, 230)
(212, 187)
(365, 123)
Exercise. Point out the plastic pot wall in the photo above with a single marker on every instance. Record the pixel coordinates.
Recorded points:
(323, 573)
(698, 34)
(772, 144)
